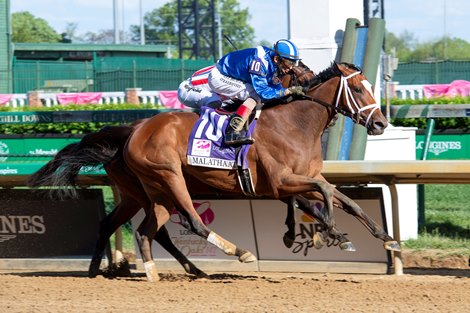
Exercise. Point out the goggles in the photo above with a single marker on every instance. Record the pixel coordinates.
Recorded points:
(289, 63)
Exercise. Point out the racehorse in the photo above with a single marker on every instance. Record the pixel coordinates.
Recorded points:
(105, 147)
(285, 160)
(125, 211)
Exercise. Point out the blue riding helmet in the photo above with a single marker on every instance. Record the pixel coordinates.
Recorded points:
(287, 50)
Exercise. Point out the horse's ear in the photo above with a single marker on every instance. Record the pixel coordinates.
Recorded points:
(337, 66)
(341, 68)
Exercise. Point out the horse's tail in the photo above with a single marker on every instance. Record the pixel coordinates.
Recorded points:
(93, 150)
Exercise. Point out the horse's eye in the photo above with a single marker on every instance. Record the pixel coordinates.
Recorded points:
(357, 89)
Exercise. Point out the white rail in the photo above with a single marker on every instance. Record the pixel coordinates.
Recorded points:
(151, 97)
(408, 91)
(18, 100)
(118, 97)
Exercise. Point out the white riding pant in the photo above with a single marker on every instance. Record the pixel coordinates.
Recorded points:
(197, 96)
(230, 87)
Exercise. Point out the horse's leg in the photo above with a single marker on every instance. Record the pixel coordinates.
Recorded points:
(164, 240)
(172, 181)
(144, 235)
(195, 224)
(299, 184)
(352, 208)
(321, 238)
(122, 213)
(289, 236)
(106, 230)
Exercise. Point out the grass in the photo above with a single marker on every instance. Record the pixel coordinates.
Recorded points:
(447, 220)
(127, 234)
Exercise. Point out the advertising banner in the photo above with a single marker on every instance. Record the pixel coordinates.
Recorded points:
(445, 147)
(269, 225)
(229, 218)
(34, 226)
(258, 226)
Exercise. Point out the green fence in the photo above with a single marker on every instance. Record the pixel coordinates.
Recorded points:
(20, 155)
(103, 74)
(442, 72)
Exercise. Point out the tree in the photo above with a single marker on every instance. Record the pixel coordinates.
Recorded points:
(401, 46)
(161, 25)
(407, 48)
(27, 28)
(443, 49)
(104, 37)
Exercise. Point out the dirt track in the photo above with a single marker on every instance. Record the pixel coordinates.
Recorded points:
(417, 291)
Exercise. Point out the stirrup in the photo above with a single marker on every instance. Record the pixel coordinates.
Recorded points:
(237, 138)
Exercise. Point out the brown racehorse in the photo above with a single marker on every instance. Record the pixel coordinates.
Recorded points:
(105, 147)
(285, 160)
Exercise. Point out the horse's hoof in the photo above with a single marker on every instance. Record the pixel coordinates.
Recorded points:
(191, 269)
(347, 246)
(392, 246)
(318, 240)
(94, 269)
(201, 274)
(92, 274)
(288, 242)
(247, 257)
(122, 269)
(151, 272)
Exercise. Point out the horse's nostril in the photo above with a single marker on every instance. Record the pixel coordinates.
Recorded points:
(380, 124)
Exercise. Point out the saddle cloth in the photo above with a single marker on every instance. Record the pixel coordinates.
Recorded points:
(206, 147)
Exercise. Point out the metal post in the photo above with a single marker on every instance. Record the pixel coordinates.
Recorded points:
(371, 62)
(397, 260)
(219, 31)
(134, 73)
(117, 39)
(424, 154)
(180, 30)
(38, 73)
(86, 77)
(347, 54)
(142, 27)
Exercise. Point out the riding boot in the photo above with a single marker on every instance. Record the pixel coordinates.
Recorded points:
(235, 134)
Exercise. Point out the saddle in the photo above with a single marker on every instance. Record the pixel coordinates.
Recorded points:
(207, 133)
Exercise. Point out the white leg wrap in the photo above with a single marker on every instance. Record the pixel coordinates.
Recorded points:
(151, 271)
(228, 247)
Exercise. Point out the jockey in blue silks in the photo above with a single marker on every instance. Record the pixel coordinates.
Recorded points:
(250, 75)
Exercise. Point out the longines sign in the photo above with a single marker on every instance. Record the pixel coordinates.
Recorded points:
(34, 226)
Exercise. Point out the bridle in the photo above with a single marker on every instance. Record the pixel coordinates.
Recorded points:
(354, 109)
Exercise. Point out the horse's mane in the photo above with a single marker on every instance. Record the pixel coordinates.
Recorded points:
(330, 72)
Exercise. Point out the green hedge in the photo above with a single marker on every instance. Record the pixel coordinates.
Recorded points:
(460, 123)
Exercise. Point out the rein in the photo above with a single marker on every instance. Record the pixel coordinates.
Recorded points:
(353, 114)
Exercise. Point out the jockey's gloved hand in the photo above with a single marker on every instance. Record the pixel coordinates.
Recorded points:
(295, 90)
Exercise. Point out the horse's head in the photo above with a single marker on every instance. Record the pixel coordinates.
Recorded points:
(355, 98)
(300, 75)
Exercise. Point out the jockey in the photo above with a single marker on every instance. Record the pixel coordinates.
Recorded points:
(252, 75)
(249, 76)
